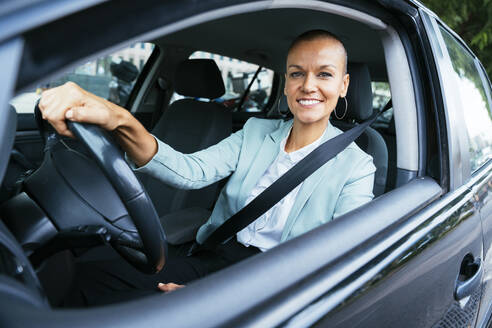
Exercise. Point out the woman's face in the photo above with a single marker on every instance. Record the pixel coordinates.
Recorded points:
(315, 79)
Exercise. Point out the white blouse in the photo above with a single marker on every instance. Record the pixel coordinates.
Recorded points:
(265, 232)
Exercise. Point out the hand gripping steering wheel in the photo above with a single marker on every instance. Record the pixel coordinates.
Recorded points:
(141, 241)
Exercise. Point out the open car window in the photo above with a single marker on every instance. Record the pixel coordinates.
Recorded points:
(381, 94)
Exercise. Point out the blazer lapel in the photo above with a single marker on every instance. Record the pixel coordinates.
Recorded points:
(266, 155)
(305, 192)
(309, 185)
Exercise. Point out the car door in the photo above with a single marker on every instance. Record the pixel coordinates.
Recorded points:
(478, 129)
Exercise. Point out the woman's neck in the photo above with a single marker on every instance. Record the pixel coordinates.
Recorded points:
(303, 134)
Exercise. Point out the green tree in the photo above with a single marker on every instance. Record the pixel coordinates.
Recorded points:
(470, 19)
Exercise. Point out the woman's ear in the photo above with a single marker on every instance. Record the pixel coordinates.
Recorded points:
(346, 82)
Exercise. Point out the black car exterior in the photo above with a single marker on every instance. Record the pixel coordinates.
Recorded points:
(417, 256)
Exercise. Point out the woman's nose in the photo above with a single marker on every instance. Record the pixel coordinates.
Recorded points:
(309, 84)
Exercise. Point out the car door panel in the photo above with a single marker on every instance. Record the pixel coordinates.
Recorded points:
(412, 282)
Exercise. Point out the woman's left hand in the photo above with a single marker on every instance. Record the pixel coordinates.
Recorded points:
(169, 287)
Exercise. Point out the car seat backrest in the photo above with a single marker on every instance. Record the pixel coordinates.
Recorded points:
(189, 125)
(359, 108)
(9, 121)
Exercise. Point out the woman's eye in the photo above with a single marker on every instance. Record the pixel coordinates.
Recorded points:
(325, 74)
(295, 74)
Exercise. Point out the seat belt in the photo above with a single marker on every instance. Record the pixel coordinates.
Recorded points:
(284, 185)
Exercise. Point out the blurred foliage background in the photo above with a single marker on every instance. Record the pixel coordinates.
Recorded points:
(472, 20)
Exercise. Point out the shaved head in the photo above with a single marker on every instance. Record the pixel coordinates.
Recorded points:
(315, 35)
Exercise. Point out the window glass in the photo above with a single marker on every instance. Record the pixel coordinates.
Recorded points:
(237, 75)
(381, 94)
(111, 77)
(474, 101)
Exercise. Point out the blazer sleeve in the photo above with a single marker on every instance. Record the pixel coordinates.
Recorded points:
(358, 188)
(196, 170)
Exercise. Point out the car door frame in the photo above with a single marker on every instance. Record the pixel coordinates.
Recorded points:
(457, 138)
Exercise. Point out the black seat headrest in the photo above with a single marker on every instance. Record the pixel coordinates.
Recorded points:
(199, 78)
(359, 94)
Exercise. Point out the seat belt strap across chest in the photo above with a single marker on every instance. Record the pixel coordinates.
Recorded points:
(283, 185)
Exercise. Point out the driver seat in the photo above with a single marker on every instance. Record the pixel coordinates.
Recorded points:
(189, 125)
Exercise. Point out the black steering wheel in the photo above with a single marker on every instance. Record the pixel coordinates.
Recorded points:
(143, 243)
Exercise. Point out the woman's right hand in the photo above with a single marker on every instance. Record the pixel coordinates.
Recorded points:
(69, 101)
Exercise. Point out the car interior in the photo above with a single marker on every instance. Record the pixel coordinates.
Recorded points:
(376, 52)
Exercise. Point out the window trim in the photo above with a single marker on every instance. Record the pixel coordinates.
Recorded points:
(488, 91)
(459, 167)
(485, 80)
(468, 171)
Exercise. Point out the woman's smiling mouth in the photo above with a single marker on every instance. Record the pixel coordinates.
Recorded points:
(309, 102)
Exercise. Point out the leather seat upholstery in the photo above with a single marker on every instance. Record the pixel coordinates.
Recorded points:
(189, 125)
(359, 108)
(9, 172)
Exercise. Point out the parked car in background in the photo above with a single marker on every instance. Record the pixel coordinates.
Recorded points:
(418, 255)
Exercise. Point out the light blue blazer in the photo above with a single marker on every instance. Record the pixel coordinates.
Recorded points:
(342, 184)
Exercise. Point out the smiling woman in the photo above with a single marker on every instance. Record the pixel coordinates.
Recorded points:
(315, 80)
